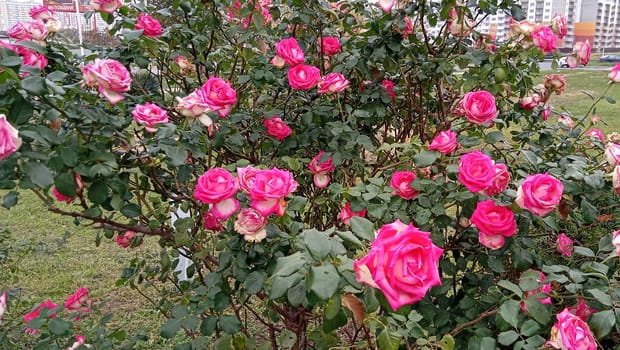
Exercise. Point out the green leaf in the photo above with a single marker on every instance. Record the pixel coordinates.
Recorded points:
(131, 210)
(494, 137)
(132, 34)
(600, 296)
(529, 328)
(507, 337)
(589, 212)
(98, 192)
(65, 184)
(280, 285)
(317, 243)
(539, 312)
(388, 340)
(583, 251)
(363, 228)
(324, 281)
(59, 327)
(487, 343)
(207, 327)
(287, 265)
(10, 199)
(349, 237)
(39, 174)
(511, 287)
(170, 328)
(509, 311)
(224, 342)
(426, 158)
(230, 324)
(332, 308)
(447, 342)
(35, 85)
(296, 294)
(602, 323)
(254, 281)
(531, 157)
(339, 320)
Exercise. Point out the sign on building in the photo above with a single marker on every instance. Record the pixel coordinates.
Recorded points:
(67, 5)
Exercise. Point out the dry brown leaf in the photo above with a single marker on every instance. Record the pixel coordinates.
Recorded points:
(352, 303)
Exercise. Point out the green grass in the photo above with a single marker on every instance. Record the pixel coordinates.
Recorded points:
(581, 83)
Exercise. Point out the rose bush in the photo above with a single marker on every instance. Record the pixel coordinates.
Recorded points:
(412, 199)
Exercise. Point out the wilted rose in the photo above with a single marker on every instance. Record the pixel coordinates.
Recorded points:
(251, 224)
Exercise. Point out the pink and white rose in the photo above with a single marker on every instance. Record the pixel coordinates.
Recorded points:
(500, 181)
(289, 52)
(218, 95)
(150, 115)
(614, 73)
(544, 38)
(48, 304)
(303, 77)
(566, 120)
(615, 240)
(79, 341)
(41, 12)
(321, 169)
(540, 194)
(192, 105)
(544, 289)
(218, 187)
(346, 214)
(79, 301)
(277, 128)
(2, 305)
(555, 83)
(109, 76)
(564, 245)
(107, 6)
(251, 224)
(570, 332)
(332, 83)
(559, 26)
(150, 26)
(386, 5)
(401, 184)
(596, 133)
(479, 107)
(9, 138)
(494, 223)
(616, 179)
(445, 142)
(245, 177)
(460, 24)
(402, 262)
(581, 54)
(211, 222)
(612, 153)
(476, 171)
(268, 190)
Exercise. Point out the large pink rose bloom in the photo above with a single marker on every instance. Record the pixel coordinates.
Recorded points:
(303, 77)
(218, 187)
(251, 224)
(277, 128)
(445, 142)
(476, 171)
(269, 188)
(109, 76)
(288, 51)
(151, 26)
(329, 45)
(149, 115)
(479, 106)
(612, 153)
(494, 222)
(192, 105)
(107, 6)
(544, 38)
(402, 262)
(581, 54)
(401, 184)
(500, 181)
(614, 73)
(570, 332)
(41, 12)
(540, 194)
(31, 58)
(332, 83)
(9, 139)
(386, 5)
(219, 95)
(321, 170)
(245, 177)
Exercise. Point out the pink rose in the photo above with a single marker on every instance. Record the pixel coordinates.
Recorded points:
(185, 65)
(288, 50)
(78, 301)
(389, 88)
(35, 313)
(445, 142)
(2, 304)
(555, 83)
(329, 45)
(127, 238)
(530, 102)
(566, 120)
(109, 76)
(540, 194)
(559, 26)
(269, 189)
(614, 73)
(459, 24)
(333, 82)
(545, 112)
(107, 6)
(401, 183)
(402, 262)
(218, 187)
(494, 222)
(303, 77)
(581, 310)
(18, 32)
(211, 222)
(476, 171)
(31, 59)
(251, 224)
(564, 245)
(479, 107)
(245, 177)
(79, 185)
(192, 105)
(346, 214)
(149, 115)
(36, 31)
(545, 289)
(219, 95)
(9, 139)
(41, 12)
(616, 179)
(612, 153)
(544, 38)
(79, 341)
(386, 5)
(581, 54)
(408, 30)
(277, 128)
(151, 26)
(321, 169)
(571, 333)
(500, 181)
(597, 133)
(616, 241)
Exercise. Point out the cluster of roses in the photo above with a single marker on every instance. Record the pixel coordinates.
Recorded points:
(261, 6)
(303, 76)
(78, 303)
(215, 95)
(266, 190)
